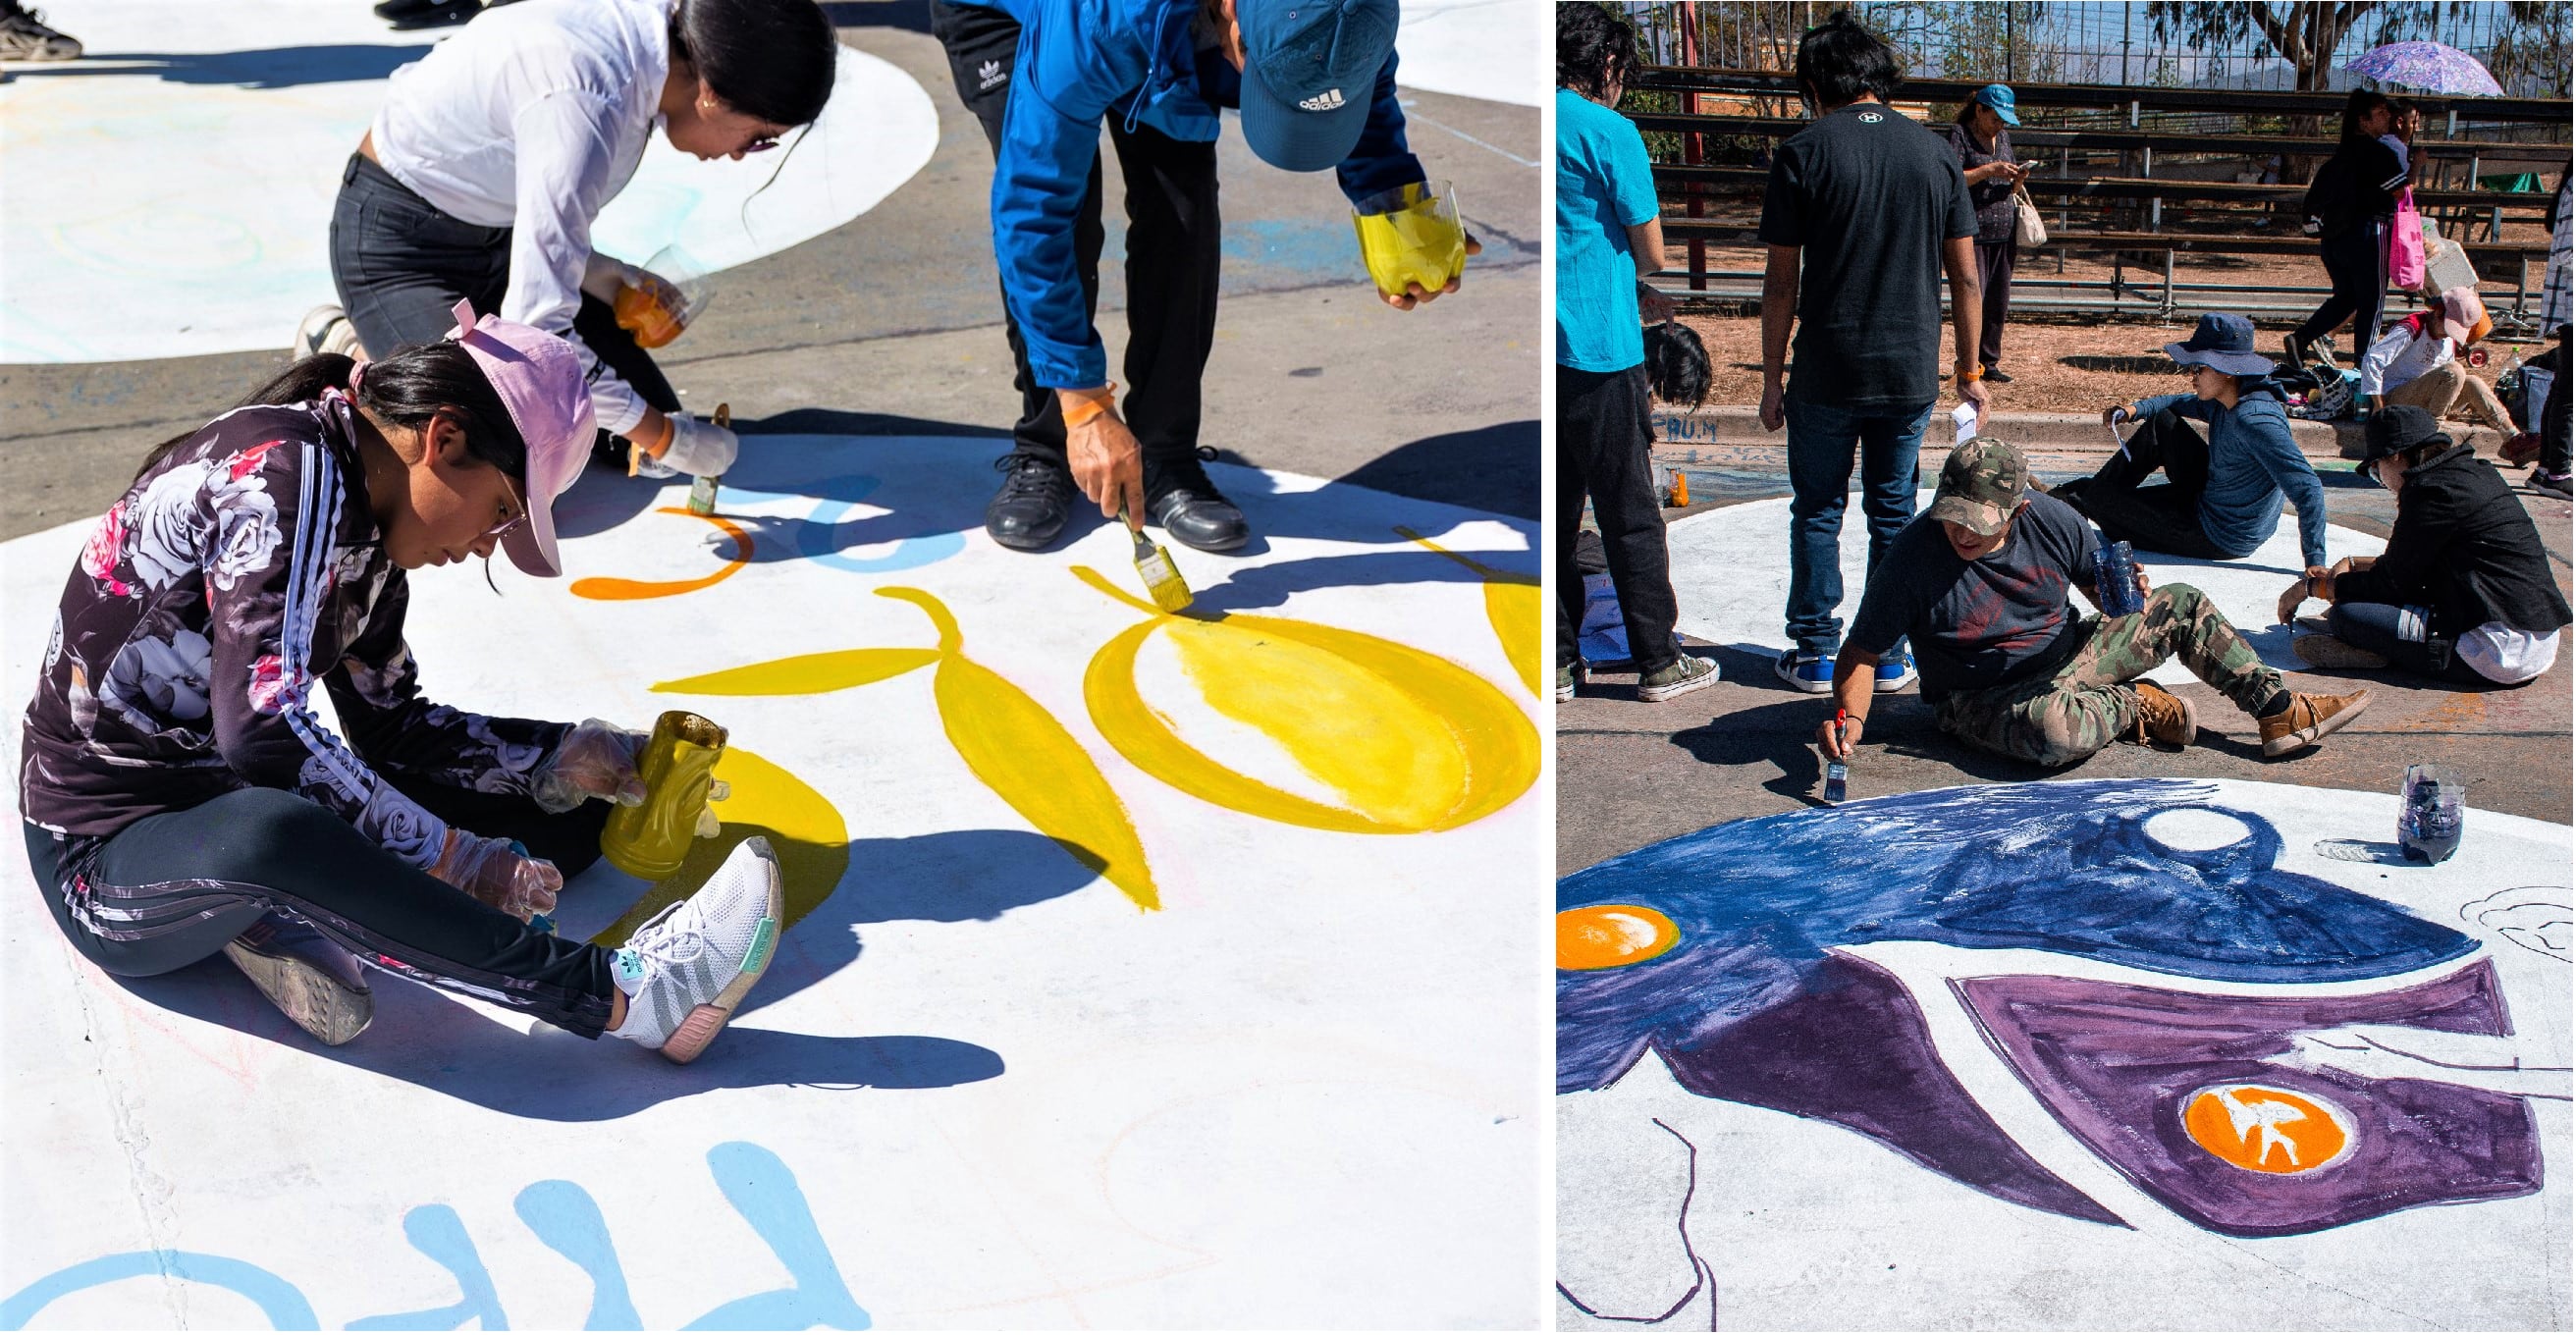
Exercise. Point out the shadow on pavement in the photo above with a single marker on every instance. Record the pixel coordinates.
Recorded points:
(276, 67)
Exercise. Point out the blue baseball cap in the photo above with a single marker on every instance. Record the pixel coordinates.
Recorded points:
(1999, 99)
(1309, 72)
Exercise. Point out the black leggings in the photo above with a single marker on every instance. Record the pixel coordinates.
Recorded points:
(2162, 519)
(1175, 239)
(2357, 265)
(172, 889)
(401, 266)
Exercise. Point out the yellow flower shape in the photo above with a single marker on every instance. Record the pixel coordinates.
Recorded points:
(1409, 741)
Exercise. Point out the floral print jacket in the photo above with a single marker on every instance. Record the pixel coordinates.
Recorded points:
(232, 576)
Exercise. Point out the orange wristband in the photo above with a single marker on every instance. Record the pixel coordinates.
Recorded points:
(1088, 404)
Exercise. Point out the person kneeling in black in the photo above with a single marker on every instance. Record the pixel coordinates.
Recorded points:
(2463, 594)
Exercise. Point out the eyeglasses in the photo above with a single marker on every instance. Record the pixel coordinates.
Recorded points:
(761, 143)
(502, 529)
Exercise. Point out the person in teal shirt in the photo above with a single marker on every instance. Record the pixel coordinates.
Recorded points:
(1609, 236)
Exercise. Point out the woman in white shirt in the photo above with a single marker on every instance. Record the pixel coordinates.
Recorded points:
(481, 174)
(2414, 362)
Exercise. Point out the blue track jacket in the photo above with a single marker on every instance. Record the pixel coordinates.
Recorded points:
(2253, 464)
(1081, 60)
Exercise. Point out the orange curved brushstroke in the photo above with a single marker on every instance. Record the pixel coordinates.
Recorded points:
(608, 588)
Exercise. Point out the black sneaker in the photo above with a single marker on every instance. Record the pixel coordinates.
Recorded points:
(24, 36)
(1037, 494)
(1996, 374)
(1179, 497)
(409, 15)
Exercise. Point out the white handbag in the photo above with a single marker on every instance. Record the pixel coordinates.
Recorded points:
(2028, 230)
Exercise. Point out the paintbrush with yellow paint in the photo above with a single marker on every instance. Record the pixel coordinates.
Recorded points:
(1163, 581)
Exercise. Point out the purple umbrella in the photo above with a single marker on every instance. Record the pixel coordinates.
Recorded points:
(2430, 66)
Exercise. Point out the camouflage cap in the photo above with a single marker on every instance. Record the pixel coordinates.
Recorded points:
(1981, 485)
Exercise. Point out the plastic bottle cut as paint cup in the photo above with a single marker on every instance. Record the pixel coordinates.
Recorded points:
(649, 841)
(1411, 235)
(675, 294)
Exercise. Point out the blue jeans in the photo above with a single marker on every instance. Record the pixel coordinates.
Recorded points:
(1821, 437)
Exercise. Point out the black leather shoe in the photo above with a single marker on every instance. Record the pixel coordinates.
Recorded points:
(1996, 374)
(1037, 493)
(1196, 514)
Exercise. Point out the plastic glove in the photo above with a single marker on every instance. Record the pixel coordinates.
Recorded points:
(597, 759)
(602, 275)
(500, 873)
(699, 449)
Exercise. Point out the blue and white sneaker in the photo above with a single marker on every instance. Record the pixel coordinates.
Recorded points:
(1895, 673)
(686, 970)
(1812, 673)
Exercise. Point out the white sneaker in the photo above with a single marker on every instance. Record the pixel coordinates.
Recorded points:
(685, 971)
(325, 329)
(321, 987)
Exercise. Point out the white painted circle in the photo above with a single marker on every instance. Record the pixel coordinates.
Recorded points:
(2195, 831)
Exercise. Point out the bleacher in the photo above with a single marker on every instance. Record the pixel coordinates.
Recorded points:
(2134, 176)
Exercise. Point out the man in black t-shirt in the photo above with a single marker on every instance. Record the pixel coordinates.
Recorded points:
(1980, 583)
(1874, 205)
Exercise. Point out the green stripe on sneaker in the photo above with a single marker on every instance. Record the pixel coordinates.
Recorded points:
(762, 938)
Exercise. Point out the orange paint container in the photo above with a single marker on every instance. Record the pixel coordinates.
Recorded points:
(651, 840)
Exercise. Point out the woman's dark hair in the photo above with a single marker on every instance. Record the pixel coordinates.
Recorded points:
(2360, 104)
(1839, 61)
(1593, 47)
(1676, 364)
(405, 389)
(769, 59)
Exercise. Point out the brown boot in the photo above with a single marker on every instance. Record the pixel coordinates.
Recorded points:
(2325, 651)
(2309, 718)
(2164, 716)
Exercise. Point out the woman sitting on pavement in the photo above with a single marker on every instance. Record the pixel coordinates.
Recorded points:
(486, 168)
(182, 798)
(2222, 495)
(2415, 362)
(2464, 593)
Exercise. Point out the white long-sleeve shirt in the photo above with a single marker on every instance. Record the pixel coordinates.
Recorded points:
(533, 117)
(2400, 355)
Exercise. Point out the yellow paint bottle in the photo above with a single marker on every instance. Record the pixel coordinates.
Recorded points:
(1411, 235)
(650, 841)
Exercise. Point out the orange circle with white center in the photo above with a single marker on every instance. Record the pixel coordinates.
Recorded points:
(1607, 936)
(2267, 1129)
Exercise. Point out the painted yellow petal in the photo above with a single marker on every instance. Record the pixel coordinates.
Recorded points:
(805, 674)
(1465, 749)
(612, 589)
(803, 827)
(1511, 607)
(1019, 750)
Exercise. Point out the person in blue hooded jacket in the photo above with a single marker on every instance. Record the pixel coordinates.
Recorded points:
(2223, 492)
(1315, 80)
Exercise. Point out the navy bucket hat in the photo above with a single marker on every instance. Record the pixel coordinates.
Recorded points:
(2222, 343)
(1309, 72)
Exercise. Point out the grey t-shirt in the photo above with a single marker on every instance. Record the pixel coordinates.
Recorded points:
(1980, 623)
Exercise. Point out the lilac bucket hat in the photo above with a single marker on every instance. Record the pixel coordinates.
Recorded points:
(538, 378)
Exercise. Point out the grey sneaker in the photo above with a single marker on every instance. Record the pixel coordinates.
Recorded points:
(325, 329)
(23, 36)
(2549, 484)
(686, 970)
(1682, 676)
(321, 987)
(1566, 675)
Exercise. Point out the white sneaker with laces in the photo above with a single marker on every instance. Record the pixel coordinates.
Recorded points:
(325, 329)
(686, 970)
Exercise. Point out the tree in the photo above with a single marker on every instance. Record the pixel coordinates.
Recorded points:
(2305, 33)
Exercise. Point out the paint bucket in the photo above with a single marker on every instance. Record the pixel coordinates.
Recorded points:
(1411, 235)
(2431, 807)
(649, 841)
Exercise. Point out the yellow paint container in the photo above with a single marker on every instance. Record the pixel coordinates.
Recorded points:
(651, 840)
(1411, 235)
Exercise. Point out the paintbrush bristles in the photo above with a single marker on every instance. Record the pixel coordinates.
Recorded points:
(1162, 582)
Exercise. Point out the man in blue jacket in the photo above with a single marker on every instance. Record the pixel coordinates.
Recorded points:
(1315, 80)
(2222, 495)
